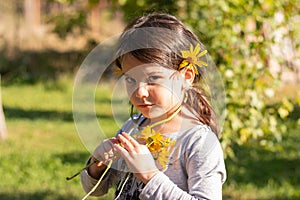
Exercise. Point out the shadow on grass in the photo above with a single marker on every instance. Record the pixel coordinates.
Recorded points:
(260, 167)
(73, 157)
(36, 196)
(19, 113)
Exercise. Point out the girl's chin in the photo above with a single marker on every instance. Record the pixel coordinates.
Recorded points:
(154, 115)
(153, 112)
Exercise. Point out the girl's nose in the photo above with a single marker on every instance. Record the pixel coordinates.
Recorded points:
(142, 91)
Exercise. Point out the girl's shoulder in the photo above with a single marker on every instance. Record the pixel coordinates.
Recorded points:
(199, 138)
(198, 131)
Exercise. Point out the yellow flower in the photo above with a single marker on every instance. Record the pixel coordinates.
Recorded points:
(117, 71)
(191, 58)
(157, 145)
(155, 142)
(163, 157)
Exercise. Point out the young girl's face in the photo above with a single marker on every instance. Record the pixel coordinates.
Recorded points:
(154, 90)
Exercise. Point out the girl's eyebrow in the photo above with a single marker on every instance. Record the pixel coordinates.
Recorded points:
(127, 75)
(147, 74)
(155, 73)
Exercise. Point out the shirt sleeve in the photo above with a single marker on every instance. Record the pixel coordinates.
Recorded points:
(112, 175)
(205, 168)
(89, 182)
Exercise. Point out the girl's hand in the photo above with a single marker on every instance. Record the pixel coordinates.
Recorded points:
(106, 151)
(137, 156)
(102, 154)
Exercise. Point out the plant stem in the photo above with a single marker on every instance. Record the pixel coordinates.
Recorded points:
(90, 164)
(99, 181)
(167, 119)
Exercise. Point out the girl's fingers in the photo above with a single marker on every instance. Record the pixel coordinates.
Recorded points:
(113, 140)
(123, 152)
(126, 143)
(133, 142)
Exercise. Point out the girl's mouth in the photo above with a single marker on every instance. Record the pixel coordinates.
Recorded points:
(145, 105)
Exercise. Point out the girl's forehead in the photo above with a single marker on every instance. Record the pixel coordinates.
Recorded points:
(131, 65)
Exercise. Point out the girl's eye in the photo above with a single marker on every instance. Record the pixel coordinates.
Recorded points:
(152, 79)
(130, 80)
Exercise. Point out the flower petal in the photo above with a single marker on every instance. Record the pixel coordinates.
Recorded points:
(202, 53)
(196, 50)
(186, 54)
(201, 63)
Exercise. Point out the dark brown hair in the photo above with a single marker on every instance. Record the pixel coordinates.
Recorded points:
(159, 38)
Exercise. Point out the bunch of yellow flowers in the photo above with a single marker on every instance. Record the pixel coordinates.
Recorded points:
(158, 145)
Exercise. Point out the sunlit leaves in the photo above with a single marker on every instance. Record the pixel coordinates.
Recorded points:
(240, 35)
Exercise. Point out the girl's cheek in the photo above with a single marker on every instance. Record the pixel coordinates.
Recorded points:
(130, 92)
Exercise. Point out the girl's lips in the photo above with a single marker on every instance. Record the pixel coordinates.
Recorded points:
(145, 105)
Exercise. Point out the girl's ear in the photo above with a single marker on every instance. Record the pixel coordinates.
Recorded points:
(188, 74)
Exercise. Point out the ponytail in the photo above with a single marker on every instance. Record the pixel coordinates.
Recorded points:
(198, 104)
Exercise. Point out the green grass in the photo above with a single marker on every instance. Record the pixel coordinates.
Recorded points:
(43, 148)
(257, 173)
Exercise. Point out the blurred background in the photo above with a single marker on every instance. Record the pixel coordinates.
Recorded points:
(255, 45)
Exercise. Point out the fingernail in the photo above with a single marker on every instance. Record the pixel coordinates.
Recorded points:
(99, 163)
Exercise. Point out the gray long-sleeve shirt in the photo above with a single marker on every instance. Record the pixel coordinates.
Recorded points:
(196, 170)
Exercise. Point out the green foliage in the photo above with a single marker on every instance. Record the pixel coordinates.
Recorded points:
(132, 9)
(71, 21)
(240, 38)
(66, 24)
(32, 66)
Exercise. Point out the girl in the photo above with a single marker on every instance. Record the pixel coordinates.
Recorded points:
(171, 149)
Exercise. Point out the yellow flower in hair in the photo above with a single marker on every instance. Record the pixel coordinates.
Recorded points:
(191, 58)
(117, 71)
(157, 144)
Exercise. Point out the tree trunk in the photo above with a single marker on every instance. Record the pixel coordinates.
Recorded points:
(3, 130)
(32, 13)
(94, 17)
